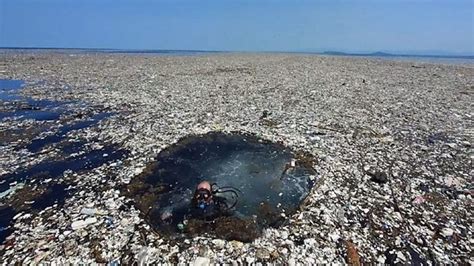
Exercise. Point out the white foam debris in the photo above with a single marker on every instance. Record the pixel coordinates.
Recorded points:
(391, 139)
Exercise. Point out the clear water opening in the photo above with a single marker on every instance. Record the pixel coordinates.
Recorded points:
(271, 181)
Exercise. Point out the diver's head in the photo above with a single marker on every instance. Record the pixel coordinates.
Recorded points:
(202, 195)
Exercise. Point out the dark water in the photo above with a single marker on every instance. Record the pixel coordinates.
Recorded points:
(10, 84)
(53, 194)
(28, 180)
(6, 215)
(9, 89)
(55, 168)
(256, 168)
(39, 143)
(18, 107)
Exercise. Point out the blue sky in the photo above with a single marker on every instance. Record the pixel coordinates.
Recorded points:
(413, 26)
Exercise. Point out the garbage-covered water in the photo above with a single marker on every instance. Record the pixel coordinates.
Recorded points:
(15, 106)
(39, 143)
(269, 179)
(56, 167)
(41, 129)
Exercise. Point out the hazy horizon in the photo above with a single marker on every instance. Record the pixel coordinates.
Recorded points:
(401, 53)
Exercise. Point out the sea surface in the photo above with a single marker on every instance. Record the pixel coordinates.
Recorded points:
(39, 184)
(436, 59)
(433, 60)
(254, 177)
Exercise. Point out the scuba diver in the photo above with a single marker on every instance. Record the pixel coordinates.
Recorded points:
(207, 204)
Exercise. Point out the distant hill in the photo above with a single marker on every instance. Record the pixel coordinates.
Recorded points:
(357, 54)
(383, 54)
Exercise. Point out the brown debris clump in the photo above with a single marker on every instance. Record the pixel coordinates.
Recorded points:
(353, 257)
(229, 228)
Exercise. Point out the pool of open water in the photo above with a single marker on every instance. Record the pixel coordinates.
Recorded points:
(270, 180)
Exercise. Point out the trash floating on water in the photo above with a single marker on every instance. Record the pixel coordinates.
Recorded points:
(46, 130)
(56, 168)
(270, 180)
(39, 143)
(14, 106)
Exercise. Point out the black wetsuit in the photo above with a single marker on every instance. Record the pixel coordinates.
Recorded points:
(218, 207)
(189, 210)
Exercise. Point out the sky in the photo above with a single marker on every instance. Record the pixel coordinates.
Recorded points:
(400, 26)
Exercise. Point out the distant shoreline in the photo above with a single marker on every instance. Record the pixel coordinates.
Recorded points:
(108, 50)
(467, 60)
(178, 51)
